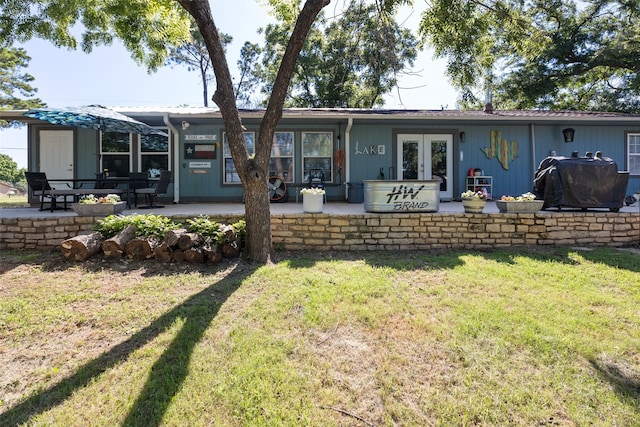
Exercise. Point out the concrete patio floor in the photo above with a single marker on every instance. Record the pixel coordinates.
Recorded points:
(331, 208)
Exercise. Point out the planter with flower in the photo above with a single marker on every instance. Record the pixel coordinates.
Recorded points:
(91, 205)
(525, 203)
(312, 199)
(474, 201)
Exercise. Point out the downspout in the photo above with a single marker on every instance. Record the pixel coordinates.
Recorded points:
(176, 158)
(347, 155)
(532, 135)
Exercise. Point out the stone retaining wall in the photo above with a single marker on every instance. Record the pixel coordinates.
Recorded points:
(382, 231)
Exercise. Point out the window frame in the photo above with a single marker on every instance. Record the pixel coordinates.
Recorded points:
(226, 155)
(104, 154)
(142, 153)
(290, 174)
(328, 175)
(633, 141)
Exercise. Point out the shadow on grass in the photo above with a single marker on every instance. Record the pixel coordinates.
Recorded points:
(626, 384)
(167, 374)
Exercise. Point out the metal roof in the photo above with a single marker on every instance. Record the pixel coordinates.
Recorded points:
(181, 113)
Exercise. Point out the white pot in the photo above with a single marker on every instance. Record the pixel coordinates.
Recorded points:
(312, 203)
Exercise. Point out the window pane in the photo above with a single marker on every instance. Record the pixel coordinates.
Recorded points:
(317, 144)
(282, 144)
(230, 172)
(634, 144)
(317, 153)
(249, 138)
(116, 164)
(282, 167)
(154, 163)
(115, 142)
(633, 150)
(634, 165)
(318, 163)
(154, 144)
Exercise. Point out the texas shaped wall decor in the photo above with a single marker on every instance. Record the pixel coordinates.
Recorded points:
(505, 151)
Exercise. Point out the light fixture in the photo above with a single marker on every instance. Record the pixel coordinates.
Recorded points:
(185, 125)
(568, 134)
(463, 137)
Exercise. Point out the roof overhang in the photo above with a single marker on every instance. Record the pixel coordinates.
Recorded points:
(155, 115)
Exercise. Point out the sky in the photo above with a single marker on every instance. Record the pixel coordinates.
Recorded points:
(108, 76)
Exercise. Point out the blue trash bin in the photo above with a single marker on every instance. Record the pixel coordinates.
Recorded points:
(356, 192)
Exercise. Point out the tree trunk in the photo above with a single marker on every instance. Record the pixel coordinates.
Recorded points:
(252, 169)
(213, 253)
(194, 255)
(230, 250)
(82, 247)
(114, 247)
(163, 252)
(141, 248)
(171, 237)
(178, 255)
(189, 240)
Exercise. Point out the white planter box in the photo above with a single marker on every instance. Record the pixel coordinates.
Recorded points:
(98, 209)
(530, 206)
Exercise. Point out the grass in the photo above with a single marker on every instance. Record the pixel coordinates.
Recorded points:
(512, 337)
(13, 201)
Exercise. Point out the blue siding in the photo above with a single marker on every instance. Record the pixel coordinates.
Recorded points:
(366, 159)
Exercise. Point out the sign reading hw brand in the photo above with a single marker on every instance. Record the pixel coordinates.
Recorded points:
(401, 196)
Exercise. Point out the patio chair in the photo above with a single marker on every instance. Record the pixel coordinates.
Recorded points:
(316, 180)
(40, 187)
(150, 192)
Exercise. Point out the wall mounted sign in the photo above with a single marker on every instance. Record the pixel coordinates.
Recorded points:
(199, 165)
(369, 150)
(199, 151)
(505, 151)
(200, 137)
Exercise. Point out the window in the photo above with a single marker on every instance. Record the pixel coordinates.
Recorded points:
(317, 153)
(115, 152)
(230, 173)
(154, 154)
(633, 153)
(281, 163)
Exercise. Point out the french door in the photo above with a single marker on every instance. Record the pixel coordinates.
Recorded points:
(427, 157)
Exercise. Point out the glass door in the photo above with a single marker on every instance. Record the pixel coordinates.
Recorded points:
(427, 157)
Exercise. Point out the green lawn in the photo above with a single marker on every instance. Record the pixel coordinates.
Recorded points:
(518, 337)
(13, 201)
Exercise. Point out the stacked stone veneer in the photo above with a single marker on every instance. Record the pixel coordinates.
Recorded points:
(382, 231)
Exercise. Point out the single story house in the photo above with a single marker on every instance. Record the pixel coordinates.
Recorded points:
(348, 146)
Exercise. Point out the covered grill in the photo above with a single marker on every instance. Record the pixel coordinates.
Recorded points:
(580, 182)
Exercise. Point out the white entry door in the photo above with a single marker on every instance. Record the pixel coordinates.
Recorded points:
(427, 157)
(56, 153)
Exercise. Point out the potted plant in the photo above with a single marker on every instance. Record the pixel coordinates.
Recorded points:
(525, 203)
(312, 199)
(91, 205)
(474, 201)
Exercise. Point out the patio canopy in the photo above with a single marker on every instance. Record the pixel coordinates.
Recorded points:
(93, 117)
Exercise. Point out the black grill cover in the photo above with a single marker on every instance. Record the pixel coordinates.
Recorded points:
(580, 182)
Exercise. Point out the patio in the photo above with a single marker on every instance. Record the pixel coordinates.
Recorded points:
(223, 209)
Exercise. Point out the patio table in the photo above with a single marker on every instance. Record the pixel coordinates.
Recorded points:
(77, 189)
